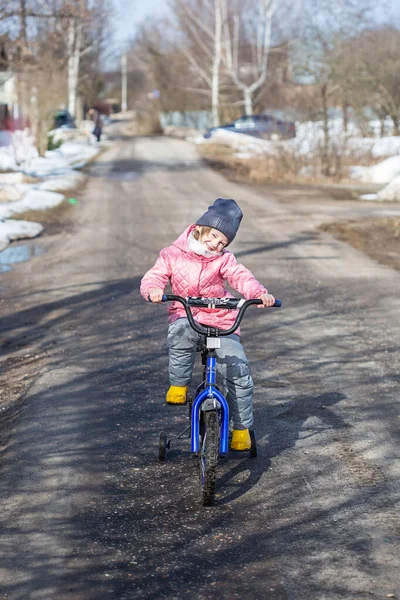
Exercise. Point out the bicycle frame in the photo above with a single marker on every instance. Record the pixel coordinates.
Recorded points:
(210, 392)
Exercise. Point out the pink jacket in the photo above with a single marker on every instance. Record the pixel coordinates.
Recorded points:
(194, 275)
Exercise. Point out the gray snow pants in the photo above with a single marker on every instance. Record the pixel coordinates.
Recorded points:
(232, 367)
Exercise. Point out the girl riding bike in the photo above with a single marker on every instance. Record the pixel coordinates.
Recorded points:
(198, 264)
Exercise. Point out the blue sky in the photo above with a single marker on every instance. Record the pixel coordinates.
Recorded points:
(129, 13)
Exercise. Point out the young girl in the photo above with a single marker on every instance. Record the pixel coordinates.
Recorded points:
(198, 264)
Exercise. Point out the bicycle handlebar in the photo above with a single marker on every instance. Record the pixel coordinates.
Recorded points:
(230, 303)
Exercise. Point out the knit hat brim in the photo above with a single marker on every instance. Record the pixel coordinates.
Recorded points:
(224, 215)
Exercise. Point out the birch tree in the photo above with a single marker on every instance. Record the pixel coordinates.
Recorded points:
(74, 49)
(255, 26)
(47, 39)
(86, 30)
(201, 24)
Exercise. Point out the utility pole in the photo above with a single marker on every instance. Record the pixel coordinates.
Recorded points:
(124, 103)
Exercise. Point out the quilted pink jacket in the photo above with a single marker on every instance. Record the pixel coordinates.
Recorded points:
(194, 275)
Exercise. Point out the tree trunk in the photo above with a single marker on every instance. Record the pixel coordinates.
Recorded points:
(345, 116)
(396, 124)
(325, 148)
(74, 51)
(216, 65)
(24, 37)
(248, 101)
(263, 42)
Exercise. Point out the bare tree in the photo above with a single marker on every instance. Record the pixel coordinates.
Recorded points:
(323, 29)
(379, 52)
(254, 21)
(200, 24)
(48, 39)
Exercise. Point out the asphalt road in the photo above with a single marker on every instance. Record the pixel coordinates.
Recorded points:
(88, 512)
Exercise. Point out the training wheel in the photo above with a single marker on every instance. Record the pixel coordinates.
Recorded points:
(253, 447)
(162, 446)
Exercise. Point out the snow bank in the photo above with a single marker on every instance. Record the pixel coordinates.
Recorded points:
(391, 192)
(71, 155)
(63, 183)
(56, 171)
(33, 200)
(16, 150)
(309, 139)
(12, 193)
(382, 172)
(14, 230)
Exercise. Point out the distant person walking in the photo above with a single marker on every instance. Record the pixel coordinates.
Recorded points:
(95, 116)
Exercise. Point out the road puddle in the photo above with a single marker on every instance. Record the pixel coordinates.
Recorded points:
(18, 254)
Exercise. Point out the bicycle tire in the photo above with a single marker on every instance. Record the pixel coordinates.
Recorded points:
(209, 453)
(162, 446)
(253, 449)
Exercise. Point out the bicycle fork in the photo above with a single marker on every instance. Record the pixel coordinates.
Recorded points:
(210, 399)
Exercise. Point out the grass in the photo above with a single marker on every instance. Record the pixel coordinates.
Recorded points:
(283, 167)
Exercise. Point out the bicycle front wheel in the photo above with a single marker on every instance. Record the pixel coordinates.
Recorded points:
(209, 452)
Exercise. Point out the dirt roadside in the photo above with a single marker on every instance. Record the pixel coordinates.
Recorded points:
(378, 238)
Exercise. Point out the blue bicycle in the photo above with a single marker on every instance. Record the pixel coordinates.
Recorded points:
(209, 411)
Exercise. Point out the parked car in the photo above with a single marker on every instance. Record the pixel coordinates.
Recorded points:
(261, 126)
(62, 118)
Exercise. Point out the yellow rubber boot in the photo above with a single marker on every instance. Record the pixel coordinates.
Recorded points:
(177, 394)
(240, 439)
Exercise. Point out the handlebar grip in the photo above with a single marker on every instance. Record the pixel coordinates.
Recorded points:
(277, 304)
(164, 298)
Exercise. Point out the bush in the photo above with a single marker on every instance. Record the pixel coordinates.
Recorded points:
(53, 144)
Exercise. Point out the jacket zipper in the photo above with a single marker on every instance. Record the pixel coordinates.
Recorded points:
(198, 285)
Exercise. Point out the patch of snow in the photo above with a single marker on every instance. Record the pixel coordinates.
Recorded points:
(33, 200)
(16, 150)
(382, 172)
(11, 230)
(11, 178)
(64, 182)
(55, 171)
(243, 155)
(70, 155)
(12, 193)
(391, 192)
(369, 197)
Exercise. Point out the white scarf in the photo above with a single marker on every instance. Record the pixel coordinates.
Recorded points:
(198, 248)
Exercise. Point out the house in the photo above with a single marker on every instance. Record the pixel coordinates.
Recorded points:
(10, 111)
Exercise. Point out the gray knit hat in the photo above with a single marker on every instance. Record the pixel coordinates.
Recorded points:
(224, 215)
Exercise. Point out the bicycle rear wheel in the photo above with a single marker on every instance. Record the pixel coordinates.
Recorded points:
(209, 453)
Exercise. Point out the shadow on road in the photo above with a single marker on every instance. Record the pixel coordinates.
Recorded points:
(91, 512)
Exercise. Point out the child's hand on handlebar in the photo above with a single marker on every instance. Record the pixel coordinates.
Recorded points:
(156, 294)
(267, 300)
